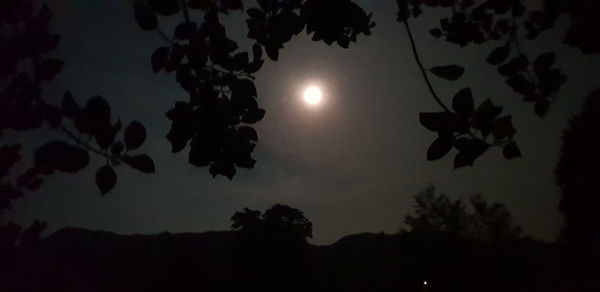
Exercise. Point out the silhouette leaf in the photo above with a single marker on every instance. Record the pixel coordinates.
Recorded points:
(165, 7)
(69, 106)
(117, 148)
(503, 128)
(450, 72)
(144, 16)
(231, 4)
(469, 150)
(48, 69)
(253, 115)
(543, 62)
(432, 121)
(53, 115)
(272, 51)
(541, 107)
(159, 58)
(61, 156)
(254, 66)
(240, 60)
(256, 52)
(185, 30)
(498, 55)
(439, 148)
(463, 102)
(135, 134)
(141, 162)
(484, 116)
(199, 4)
(94, 117)
(106, 178)
(248, 133)
(222, 167)
(511, 150)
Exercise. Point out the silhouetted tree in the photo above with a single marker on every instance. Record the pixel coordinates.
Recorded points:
(272, 250)
(25, 65)
(215, 121)
(483, 222)
(578, 175)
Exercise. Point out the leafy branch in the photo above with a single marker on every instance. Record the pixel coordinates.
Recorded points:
(423, 71)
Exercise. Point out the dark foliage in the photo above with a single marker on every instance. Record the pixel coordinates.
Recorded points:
(538, 81)
(215, 121)
(269, 252)
(578, 175)
(25, 66)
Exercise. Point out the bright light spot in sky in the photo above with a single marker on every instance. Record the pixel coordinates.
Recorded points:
(425, 283)
(312, 95)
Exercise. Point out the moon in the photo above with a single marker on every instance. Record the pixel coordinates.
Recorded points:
(312, 95)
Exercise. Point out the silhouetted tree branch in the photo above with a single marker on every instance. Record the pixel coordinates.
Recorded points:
(423, 70)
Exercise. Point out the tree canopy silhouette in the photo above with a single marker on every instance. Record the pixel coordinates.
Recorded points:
(483, 222)
(215, 123)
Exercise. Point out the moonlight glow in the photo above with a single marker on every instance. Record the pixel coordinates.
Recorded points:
(312, 95)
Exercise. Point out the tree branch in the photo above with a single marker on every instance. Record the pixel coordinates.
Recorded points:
(414, 48)
(164, 36)
(86, 145)
(185, 11)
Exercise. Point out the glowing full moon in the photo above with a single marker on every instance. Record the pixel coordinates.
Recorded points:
(312, 95)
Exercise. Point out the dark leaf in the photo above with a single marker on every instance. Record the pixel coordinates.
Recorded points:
(61, 156)
(164, 7)
(140, 162)
(543, 62)
(469, 149)
(53, 115)
(439, 148)
(248, 133)
(94, 117)
(231, 4)
(48, 69)
(484, 116)
(159, 58)
(503, 128)
(511, 150)
(117, 148)
(463, 102)
(433, 121)
(498, 55)
(106, 178)
(272, 52)
(240, 60)
(461, 160)
(436, 32)
(450, 72)
(541, 107)
(253, 115)
(256, 52)
(135, 134)
(199, 4)
(144, 16)
(254, 66)
(185, 30)
(222, 167)
(69, 106)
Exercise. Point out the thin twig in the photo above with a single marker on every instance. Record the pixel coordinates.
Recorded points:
(185, 11)
(414, 48)
(164, 36)
(86, 145)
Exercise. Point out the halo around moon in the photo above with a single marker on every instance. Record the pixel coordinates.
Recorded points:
(312, 95)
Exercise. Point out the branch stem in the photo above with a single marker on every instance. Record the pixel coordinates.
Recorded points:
(423, 71)
(86, 145)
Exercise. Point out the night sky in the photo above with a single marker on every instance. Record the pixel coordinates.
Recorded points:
(352, 164)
